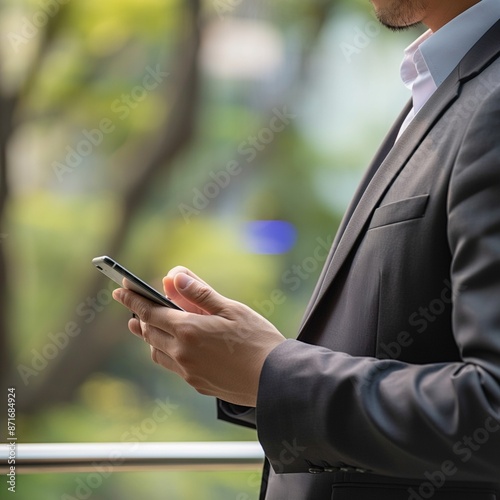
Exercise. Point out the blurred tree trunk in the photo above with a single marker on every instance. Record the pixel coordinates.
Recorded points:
(8, 109)
(85, 352)
(7, 106)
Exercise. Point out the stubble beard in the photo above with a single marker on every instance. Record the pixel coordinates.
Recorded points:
(400, 15)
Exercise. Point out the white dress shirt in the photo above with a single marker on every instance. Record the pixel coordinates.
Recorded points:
(430, 59)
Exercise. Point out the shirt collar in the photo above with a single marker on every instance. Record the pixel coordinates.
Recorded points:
(444, 50)
(430, 59)
(409, 67)
(415, 73)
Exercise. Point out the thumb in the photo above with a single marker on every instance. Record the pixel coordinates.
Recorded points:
(199, 294)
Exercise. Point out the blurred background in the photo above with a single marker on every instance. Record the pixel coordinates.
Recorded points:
(224, 135)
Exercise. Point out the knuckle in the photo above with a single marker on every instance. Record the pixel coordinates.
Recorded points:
(203, 391)
(190, 379)
(185, 355)
(183, 330)
(146, 332)
(144, 311)
(233, 309)
(154, 355)
(239, 308)
(203, 293)
(187, 333)
(183, 358)
(195, 381)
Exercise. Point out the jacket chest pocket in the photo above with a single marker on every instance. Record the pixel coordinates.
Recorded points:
(399, 211)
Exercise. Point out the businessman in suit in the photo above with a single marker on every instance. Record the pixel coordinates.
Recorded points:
(392, 389)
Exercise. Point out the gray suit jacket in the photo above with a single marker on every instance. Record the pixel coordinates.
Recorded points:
(392, 390)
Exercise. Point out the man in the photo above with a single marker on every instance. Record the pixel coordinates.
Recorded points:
(392, 390)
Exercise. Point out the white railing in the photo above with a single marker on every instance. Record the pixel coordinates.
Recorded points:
(84, 457)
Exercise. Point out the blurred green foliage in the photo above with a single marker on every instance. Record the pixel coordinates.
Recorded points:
(57, 219)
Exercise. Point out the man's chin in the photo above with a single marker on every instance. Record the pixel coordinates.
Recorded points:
(396, 28)
(391, 25)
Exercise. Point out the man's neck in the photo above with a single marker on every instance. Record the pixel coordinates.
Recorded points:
(442, 13)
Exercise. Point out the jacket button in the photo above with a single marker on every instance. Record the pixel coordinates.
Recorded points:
(315, 470)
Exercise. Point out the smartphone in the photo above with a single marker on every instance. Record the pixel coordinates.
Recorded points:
(117, 272)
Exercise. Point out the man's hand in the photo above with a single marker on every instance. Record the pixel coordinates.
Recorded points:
(217, 345)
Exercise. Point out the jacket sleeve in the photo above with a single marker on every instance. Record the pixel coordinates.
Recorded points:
(394, 418)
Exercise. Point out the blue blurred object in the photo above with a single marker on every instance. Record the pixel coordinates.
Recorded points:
(269, 236)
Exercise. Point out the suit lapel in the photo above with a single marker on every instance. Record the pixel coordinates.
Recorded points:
(381, 154)
(389, 162)
(486, 50)
(388, 170)
(378, 184)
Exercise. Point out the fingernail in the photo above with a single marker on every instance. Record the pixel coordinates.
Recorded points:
(183, 281)
(117, 294)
